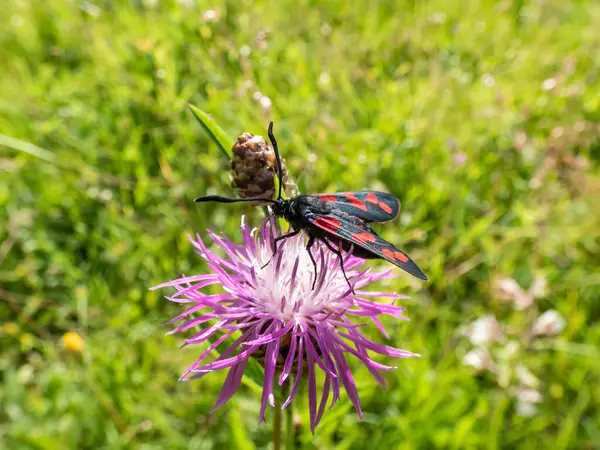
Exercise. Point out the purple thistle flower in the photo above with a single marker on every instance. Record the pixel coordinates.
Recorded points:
(296, 329)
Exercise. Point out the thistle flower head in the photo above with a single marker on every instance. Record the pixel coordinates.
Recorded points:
(273, 312)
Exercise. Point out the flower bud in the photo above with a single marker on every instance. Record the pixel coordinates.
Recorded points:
(253, 168)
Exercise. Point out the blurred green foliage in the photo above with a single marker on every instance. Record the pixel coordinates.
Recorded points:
(482, 117)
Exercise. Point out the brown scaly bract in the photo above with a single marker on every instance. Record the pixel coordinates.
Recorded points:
(253, 168)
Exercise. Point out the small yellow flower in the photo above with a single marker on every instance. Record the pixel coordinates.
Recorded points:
(10, 329)
(73, 342)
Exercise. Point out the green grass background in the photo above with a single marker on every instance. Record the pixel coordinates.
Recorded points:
(100, 159)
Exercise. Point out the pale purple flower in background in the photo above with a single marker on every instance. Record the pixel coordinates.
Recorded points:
(211, 15)
(460, 158)
(527, 394)
(273, 312)
(507, 362)
(508, 289)
(479, 358)
(485, 330)
(549, 324)
(527, 400)
(549, 84)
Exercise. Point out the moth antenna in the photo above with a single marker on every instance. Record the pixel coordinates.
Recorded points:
(276, 149)
(219, 199)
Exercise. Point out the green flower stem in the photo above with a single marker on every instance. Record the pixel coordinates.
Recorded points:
(277, 426)
(290, 438)
(290, 430)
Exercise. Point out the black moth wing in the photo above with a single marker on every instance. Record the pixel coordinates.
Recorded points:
(349, 230)
(370, 206)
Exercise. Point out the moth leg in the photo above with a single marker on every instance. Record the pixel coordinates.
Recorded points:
(309, 244)
(338, 252)
(276, 240)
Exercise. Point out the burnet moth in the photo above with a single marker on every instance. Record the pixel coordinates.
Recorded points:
(341, 219)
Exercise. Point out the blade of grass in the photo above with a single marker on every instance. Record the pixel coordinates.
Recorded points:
(215, 132)
(239, 432)
(27, 147)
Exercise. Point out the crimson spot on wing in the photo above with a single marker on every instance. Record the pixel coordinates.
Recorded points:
(328, 198)
(363, 237)
(387, 252)
(328, 223)
(401, 257)
(385, 207)
(372, 198)
(356, 201)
